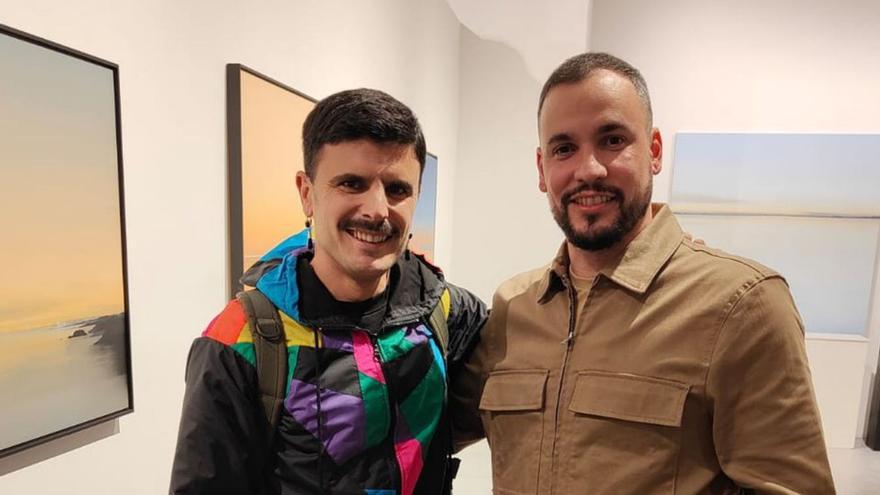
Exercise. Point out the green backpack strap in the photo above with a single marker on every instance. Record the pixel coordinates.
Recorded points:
(437, 321)
(440, 327)
(270, 348)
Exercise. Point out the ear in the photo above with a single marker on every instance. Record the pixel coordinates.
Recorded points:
(539, 161)
(656, 151)
(306, 190)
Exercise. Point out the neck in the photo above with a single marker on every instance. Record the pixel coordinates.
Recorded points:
(586, 264)
(343, 287)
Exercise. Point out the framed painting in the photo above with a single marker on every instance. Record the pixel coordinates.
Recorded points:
(264, 146)
(425, 217)
(65, 358)
(805, 205)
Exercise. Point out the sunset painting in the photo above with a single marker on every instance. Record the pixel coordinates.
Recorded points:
(63, 320)
(265, 152)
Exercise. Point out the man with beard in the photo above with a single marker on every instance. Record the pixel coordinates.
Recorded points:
(638, 361)
(363, 404)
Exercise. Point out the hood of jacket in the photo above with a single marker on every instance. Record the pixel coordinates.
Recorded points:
(415, 285)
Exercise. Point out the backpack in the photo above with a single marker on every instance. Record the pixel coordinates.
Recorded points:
(271, 349)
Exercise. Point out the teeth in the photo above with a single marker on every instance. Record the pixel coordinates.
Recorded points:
(370, 237)
(593, 200)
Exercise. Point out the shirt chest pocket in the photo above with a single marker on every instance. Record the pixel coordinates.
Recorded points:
(512, 408)
(625, 427)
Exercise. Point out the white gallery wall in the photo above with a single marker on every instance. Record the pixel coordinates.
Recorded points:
(172, 58)
(502, 223)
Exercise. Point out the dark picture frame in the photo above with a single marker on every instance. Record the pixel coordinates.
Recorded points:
(91, 341)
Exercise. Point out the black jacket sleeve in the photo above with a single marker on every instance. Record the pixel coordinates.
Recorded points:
(222, 444)
(467, 315)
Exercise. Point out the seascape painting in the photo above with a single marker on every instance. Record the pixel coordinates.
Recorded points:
(784, 174)
(806, 205)
(64, 343)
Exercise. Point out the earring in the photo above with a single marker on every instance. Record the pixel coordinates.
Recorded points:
(406, 252)
(311, 244)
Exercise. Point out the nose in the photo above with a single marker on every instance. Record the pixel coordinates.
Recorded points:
(589, 168)
(375, 202)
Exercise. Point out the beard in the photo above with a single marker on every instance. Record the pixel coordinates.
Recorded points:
(595, 238)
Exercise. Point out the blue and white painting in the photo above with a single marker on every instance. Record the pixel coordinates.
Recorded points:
(806, 205)
(811, 174)
(829, 263)
(425, 217)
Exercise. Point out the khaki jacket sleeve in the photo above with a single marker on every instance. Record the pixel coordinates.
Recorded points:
(466, 387)
(766, 426)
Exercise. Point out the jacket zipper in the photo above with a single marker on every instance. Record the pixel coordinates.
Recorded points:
(393, 465)
(572, 319)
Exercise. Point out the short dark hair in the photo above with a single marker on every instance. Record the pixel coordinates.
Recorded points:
(580, 67)
(359, 114)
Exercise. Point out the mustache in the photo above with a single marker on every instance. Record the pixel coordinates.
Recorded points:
(599, 188)
(380, 227)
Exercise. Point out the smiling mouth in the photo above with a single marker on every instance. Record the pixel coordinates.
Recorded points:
(593, 199)
(368, 236)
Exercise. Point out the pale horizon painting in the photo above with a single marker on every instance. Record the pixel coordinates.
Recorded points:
(63, 322)
(829, 263)
(806, 205)
(784, 173)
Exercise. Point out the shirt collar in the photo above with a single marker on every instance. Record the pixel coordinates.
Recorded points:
(639, 265)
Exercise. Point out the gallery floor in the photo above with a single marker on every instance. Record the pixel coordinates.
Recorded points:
(856, 471)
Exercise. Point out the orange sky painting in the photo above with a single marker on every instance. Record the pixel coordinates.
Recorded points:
(59, 191)
(271, 128)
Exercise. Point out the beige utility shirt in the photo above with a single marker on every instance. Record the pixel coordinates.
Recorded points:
(683, 372)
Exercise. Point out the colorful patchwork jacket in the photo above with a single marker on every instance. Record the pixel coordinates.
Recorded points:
(382, 395)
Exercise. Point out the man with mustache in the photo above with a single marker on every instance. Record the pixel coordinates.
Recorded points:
(364, 396)
(638, 361)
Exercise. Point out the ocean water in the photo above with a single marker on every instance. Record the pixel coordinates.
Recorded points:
(49, 381)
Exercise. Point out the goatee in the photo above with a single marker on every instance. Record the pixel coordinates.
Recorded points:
(596, 238)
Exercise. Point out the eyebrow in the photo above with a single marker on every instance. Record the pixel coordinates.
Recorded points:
(350, 176)
(611, 127)
(559, 138)
(403, 183)
(344, 177)
(603, 129)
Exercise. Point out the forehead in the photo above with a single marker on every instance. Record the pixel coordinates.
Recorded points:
(367, 158)
(603, 97)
